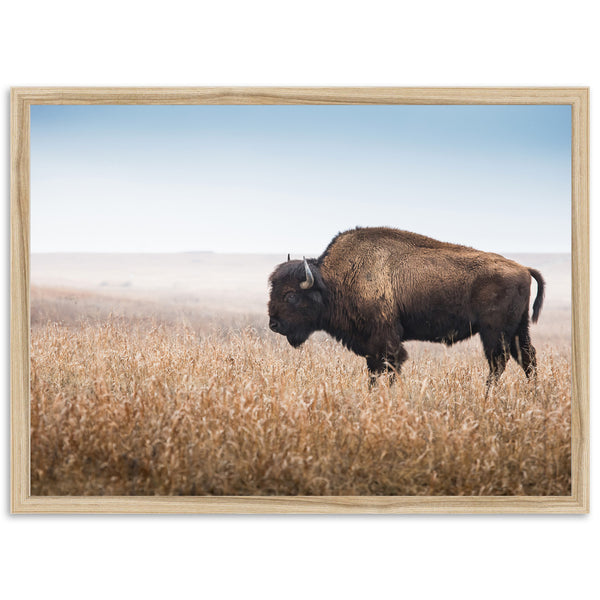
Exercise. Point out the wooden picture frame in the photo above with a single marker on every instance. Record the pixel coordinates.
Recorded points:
(21, 499)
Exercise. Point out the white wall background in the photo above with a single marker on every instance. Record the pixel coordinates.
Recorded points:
(120, 42)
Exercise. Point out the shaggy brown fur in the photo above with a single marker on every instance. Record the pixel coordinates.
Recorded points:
(375, 288)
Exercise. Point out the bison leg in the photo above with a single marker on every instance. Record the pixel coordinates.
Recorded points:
(398, 358)
(388, 362)
(497, 352)
(375, 366)
(522, 349)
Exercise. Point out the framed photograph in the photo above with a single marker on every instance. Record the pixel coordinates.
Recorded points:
(300, 300)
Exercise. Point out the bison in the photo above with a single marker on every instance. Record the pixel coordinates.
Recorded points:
(375, 288)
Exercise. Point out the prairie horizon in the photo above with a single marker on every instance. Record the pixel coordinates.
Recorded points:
(212, 278)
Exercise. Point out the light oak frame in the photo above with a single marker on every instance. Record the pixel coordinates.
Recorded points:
(21, 499)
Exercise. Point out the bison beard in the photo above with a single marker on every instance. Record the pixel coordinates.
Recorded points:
(374, 288)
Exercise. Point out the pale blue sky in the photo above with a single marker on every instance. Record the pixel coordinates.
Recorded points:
(288, 178)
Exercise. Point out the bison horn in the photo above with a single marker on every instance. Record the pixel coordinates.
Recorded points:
(310, 280)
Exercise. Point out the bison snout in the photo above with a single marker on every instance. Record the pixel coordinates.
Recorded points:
(274, 325)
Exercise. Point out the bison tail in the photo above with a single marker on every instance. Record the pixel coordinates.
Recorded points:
(539, 299)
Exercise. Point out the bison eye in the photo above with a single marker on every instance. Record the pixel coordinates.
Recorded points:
(291, 298)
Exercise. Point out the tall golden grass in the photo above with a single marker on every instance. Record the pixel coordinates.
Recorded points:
(174, 403)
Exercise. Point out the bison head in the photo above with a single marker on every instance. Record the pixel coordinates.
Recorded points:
(296, 305)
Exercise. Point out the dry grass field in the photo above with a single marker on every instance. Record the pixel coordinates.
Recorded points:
(134, 396)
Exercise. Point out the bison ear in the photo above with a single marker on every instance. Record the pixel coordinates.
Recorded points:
(288, 257)
(310, 279)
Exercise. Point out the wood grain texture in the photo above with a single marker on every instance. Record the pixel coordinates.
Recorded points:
(19, 296)
(300, 95)
(23, 98)
(580, 422)
(301, 504)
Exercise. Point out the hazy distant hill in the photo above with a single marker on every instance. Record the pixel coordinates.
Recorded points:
(236, 281)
